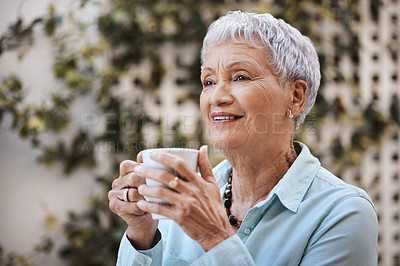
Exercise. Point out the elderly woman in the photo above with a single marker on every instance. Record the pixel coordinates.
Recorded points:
(270, 202)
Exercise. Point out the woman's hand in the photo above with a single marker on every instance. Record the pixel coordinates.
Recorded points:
(141, 227)
(195, 203)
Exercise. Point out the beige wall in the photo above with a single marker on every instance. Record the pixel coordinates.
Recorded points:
(28, 190)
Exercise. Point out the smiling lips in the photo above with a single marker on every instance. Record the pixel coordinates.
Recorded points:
(222, 117)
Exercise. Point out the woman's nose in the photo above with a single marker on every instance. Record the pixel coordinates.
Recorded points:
(221, 95)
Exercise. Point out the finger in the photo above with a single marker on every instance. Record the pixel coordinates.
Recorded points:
(158, 208)
(130, 208)
(160, 192)
(126, 167)
(160, 175)
(132, 180)
(116, 183)
(128, 180)
(121, 208)
(204, 163)
(139, 157)
(176, 163)
(133, 195)
(178, 185)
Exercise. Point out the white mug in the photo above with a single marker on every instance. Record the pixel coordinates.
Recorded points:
(190, 156)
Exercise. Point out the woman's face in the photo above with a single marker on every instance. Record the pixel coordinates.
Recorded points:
(242, 101)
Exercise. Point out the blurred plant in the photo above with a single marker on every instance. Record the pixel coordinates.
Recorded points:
(91, 58)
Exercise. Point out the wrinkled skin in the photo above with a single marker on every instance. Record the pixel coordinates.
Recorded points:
(237, 83)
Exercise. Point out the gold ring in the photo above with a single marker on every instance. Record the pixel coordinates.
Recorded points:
(173, 183)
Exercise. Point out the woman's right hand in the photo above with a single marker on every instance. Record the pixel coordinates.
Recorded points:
(141, 226)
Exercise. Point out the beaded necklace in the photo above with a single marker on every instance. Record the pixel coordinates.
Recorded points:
(228, 203)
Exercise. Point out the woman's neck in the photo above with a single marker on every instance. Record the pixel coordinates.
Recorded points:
(255, 174)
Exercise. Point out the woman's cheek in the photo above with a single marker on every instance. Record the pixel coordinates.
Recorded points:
(263, 92)
(204, 105)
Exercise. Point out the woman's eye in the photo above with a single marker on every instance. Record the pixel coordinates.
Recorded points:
(241, 78)
(207, 83)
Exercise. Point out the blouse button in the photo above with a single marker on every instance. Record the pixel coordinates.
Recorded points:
(247, 231)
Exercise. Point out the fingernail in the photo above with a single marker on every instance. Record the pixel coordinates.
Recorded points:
(138, 168)
(140, 189)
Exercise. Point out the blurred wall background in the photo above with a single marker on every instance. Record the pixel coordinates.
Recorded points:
(86, 84)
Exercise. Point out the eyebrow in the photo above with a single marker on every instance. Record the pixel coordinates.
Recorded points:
(231, 65)
(207, 68)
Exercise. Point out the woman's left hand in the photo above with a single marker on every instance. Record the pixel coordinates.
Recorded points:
(195, 203)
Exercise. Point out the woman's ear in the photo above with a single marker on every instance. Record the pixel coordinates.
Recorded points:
(298, 90)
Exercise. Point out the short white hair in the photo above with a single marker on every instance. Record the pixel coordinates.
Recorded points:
(291, 55)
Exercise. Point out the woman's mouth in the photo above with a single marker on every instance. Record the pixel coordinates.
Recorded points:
(220, 117)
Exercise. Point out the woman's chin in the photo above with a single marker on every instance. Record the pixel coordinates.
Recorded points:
(227, 142)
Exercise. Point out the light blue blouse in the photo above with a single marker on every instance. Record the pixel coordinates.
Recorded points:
(310, 218)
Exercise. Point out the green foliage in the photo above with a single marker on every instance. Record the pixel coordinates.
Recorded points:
(93, 236)
(395, 110)
(30, 121)
(129, 34)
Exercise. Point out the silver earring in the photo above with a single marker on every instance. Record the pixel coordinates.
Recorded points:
(290, 114)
